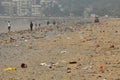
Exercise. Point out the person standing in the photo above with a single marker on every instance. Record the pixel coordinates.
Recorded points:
(9, 26)
(31, 26)
(48, 23)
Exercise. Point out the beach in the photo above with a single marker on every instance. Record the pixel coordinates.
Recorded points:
(68, 51)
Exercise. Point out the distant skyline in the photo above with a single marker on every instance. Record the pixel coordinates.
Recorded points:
(60, 7)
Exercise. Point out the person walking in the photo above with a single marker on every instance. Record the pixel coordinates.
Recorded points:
(9, 26)
(31, 26)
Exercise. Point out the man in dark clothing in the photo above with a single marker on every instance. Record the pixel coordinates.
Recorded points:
(31, 26)
(54, 22)
(48, 22)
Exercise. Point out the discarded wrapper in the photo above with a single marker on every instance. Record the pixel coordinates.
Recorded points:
(101, 68)
(9, 69)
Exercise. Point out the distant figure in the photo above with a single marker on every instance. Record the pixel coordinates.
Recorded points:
(9, 26)
(96, 20)
(36, 25)
(54, 22)
(39, 24)
(31, 26)
(48, 22)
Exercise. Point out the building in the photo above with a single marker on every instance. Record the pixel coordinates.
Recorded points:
(25, 7)
(36, 10)
(7, 5)
(22, 7)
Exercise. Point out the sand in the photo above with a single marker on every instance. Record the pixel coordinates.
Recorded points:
(63, 52)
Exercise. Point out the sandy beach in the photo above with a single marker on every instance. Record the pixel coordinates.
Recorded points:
(68, 51)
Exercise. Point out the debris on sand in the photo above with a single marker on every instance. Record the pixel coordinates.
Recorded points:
(23, 65)
(72, 62)
(9, 69)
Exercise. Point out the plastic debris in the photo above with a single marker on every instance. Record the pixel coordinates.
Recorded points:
(44, 64)
(23, 65)
(87, 67)
(24, 39)
(72, 62)
(63, 51)
(101, 68)
(9, 69)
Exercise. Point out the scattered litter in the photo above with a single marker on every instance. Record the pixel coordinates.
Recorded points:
(68, 68)
(87, 67)
(72, 62)
(55, 64)
(24, 39)
(112, 46)
(9, 69)
(12, 39)
(23, 65)
(44, 64)
(68, 71)
(63, 51)
(99, 76)
(101, 68)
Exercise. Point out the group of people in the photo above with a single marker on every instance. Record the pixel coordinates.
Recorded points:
(54, 23)
(31, 26)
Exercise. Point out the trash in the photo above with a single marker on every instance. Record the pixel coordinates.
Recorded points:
(68, 71)
(99, 76)
(112, 46)
(9, 69)
(101, 68)
(72, 62)
(44, 64)
(68, 68)
(23, 65)
(63, 51)
(87, 67)
(12, 39)
(24, 39)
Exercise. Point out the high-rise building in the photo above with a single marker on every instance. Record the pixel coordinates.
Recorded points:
(25, 7)
(22, 7)
(7, 5)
